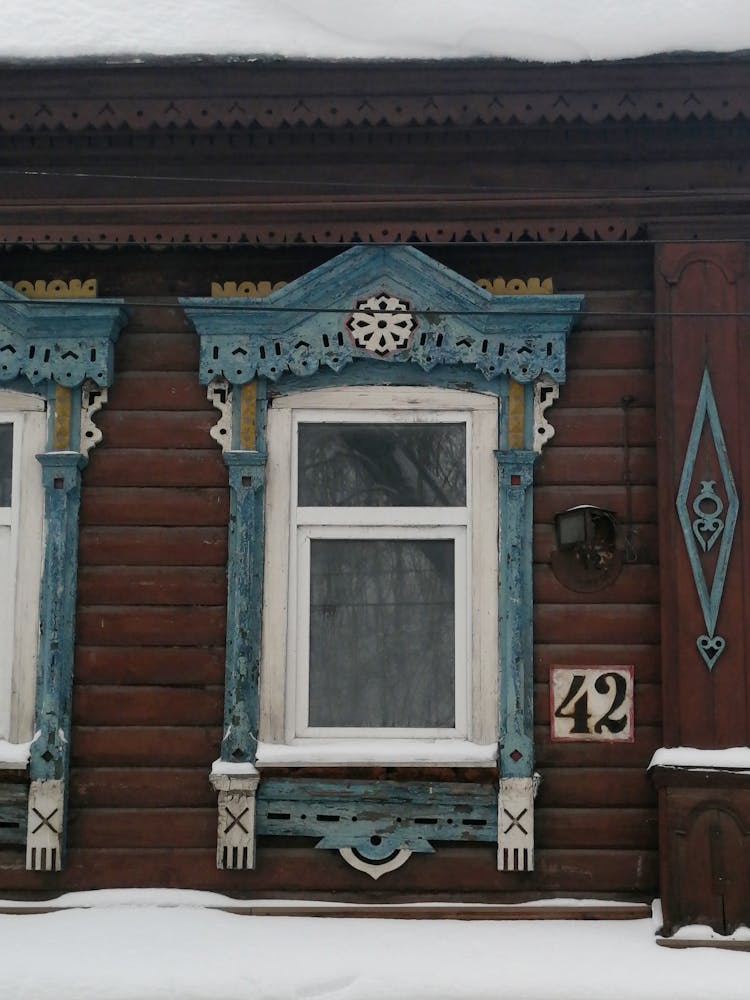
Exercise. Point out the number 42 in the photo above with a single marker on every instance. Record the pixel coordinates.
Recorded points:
(592, 703)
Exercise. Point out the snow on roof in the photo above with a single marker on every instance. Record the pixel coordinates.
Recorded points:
(543, 30)
(141, 950)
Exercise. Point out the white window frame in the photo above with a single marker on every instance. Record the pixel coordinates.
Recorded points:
(285, 738)
(19, 619)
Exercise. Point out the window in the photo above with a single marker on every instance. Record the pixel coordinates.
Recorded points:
(22, 436)
(380, 609)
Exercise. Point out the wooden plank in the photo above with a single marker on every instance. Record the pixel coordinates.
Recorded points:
(595, 388)
(596, 787)
(596, 623)
(141, 787)
(151, 626)
(143, 828)
(135, 545)
(597, 466)
(615, 755)
(645, 539)
(155, 506)
(158, 391)
(136, 705)
(619, 348)
(157, 429)
(599, 828)
(150, 665)
(102, 585)
(152, 746)
(574, 427)
(156, 351)
(157, 467)
(636, 584)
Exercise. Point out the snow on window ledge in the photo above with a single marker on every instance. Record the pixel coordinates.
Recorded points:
(731, 758)
(403, 752)
(14, 755)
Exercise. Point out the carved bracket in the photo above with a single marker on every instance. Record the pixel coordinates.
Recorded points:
(235, 846)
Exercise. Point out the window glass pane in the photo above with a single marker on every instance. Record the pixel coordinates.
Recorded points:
(382, 638)
(6, 465)
(382, 465)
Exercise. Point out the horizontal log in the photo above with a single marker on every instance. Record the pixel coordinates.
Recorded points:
(151, 746)
(647, 704)
(138, 545)
(645, 658)
(550, 500)
(144, 828)
(156, 467)
(596, 623)
(636, 584)
(157, 429)
(593, 388)
(619, 348)
(147, 705)
(468, 873)
(158, 391)
(168, 320)
(581, 829)
(151, 626)
(156, 351)
(141, 787)
(575, 427)
(102, 585)
(611, 309)
(595, 787)
(594, 466)
(616, 755)
(169, 507)
(149, 665)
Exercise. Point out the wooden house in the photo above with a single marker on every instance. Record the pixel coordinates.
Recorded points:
(389, 512)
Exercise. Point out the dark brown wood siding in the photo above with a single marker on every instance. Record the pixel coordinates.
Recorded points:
(152, 588)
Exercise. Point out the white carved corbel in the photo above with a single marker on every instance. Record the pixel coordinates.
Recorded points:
(219, 394)
(93, 398)
(545, 394)
(515, 825)
(45, 826)
(236, 785)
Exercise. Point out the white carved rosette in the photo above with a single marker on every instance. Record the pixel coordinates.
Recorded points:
(381, 324)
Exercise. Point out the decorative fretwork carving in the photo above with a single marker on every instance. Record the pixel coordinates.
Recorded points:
(381, 324)
(75, 288)
(93, 399)
(219, 394)
(243, 289)
(517, 286)
(708, 527)
(545, 394)
(375, 869)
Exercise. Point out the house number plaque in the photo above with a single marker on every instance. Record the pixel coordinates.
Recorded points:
(592, 704)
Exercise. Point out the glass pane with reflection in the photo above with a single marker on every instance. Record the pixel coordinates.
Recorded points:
(6, 465)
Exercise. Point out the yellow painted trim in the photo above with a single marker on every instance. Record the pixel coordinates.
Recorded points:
(517, 286)
(58, 289)
(63, 401)
(516, 407)
(243, 289)
(248, 396)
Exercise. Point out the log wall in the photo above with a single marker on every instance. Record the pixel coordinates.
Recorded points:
(151, 602)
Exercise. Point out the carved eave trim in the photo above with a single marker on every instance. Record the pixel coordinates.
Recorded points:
(302, 327)
(63, 341)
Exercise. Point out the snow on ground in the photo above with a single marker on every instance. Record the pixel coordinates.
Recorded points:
(192, 952)
(547, 30)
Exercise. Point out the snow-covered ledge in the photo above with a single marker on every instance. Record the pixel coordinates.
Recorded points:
(691, 758)
(14, 756)
(395, 752)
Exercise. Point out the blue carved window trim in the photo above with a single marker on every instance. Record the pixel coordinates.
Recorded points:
(63, 351)
(439, 329)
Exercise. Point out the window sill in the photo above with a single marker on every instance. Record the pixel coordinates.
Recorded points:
(14, 756)
(399, 752)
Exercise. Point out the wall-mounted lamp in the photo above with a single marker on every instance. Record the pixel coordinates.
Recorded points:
(586, 557)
